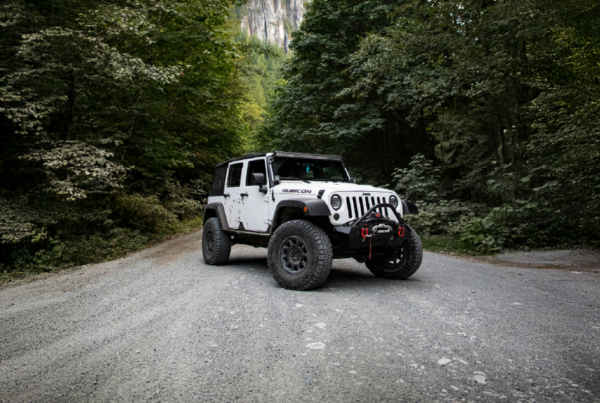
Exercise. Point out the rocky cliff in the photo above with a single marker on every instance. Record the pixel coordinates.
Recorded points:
(273, 20)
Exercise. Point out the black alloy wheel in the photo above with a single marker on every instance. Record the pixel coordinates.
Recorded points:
(294, 255)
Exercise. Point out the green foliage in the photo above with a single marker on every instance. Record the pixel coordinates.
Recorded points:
(263, 69)
(421, 182)
(65, 253)
(451, 244)
(315, 112)
(113, 115)
(144, 213)
(439, 212)
(499, 101)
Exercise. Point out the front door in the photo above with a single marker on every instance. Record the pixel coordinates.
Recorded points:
(232, 202)
(255, 204)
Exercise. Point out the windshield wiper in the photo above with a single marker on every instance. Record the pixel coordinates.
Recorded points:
(295, 177)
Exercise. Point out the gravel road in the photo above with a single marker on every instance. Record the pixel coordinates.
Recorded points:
(160, 325)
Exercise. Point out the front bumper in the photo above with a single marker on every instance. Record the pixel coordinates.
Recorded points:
(373, 230)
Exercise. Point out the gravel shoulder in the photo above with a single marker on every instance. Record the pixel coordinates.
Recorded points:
(160, 325)
(567, 259)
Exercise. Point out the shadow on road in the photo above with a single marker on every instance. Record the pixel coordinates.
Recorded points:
(343, 275)
(347, 279)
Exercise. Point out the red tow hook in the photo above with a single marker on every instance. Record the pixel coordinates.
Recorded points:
(401, 231)
(364, 233)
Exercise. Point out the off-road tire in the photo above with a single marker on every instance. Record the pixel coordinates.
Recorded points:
(313, 265)
(406, 266)
(216, 244)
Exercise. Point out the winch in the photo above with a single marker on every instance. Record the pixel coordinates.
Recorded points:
(376, 230)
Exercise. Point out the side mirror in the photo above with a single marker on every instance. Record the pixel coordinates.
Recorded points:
(352, 180)
(277, 180)
(258, 179)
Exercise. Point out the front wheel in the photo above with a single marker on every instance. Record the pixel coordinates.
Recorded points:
(300, 255)
(403, 263)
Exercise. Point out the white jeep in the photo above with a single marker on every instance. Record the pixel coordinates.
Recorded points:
(308, 211)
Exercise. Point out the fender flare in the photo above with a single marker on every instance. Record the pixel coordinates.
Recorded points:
(309, 207)
(314, 208)
(409, 207)
(216, 209)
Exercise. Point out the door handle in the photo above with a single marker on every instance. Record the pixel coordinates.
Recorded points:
(225, 194)
(243, 194)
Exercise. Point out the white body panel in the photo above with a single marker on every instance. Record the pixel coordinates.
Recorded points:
(232, 202)
(349, 192)
(255, 206)
(255, 211)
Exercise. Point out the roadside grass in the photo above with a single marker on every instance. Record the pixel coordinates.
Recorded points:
(91, 249)
(191, 225)
(450, 244)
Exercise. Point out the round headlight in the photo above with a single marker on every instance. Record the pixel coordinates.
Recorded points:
(394, 201)
(336, 202)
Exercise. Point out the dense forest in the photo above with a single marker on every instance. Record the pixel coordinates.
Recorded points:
(484, 112)
(113, 114)
(261, 76)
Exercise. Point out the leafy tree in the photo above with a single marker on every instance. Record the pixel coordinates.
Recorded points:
(502, 93)
(262, 73)
(108, 108)
(315, 112)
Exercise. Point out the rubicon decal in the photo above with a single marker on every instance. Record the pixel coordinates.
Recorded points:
(296, 191)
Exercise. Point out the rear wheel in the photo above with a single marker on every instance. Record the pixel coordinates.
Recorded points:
(216, 244)
(403, 263)
(300, 255)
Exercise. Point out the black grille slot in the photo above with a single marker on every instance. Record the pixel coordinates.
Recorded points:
(349, 207)
(362, 206)
(379, 202)
(355, 207)
(367, 203)
(386, 209)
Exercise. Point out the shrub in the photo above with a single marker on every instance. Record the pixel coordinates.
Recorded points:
(144, 213)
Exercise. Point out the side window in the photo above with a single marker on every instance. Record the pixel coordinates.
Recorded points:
(218, 182)
(255, 167)
(235, 175)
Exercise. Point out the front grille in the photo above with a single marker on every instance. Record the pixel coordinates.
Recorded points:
(359, 205)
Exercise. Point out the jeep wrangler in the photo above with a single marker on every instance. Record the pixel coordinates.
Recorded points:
(307, 211)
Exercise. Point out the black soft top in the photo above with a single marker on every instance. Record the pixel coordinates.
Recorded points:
(283, 154)
(286, 154)
(243, 157)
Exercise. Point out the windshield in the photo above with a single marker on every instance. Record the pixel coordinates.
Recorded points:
(307, 169)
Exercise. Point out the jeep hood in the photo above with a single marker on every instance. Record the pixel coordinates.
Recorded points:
(303, 188)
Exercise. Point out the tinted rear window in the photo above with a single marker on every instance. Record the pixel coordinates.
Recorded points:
(235, 175)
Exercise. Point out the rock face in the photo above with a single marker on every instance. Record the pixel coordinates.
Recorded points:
(273, 20)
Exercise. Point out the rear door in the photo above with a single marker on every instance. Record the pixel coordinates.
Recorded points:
(232, 203)
(255, 204)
